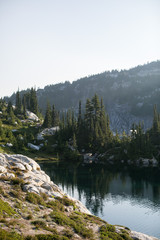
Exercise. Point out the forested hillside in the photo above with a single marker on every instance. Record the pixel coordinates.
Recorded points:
(128, 95)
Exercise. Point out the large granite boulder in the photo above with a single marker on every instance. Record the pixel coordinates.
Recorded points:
(35, 180)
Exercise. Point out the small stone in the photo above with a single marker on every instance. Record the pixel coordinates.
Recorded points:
(19, 166)
(46, 186)
(3, 169)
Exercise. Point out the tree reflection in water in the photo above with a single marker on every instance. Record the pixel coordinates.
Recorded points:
(94, 183)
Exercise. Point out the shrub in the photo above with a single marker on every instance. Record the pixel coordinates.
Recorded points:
(17, 181)
(29, 217)
(44, 196)
(66, 201)
(4, 235)
(5, 208)
(18, 204)
(46, 237)
(39, 224)
(76, 222)
(67, 233)
(35, 198)
(108, 232)
(60, 218)
(16, 194)
(55, 205)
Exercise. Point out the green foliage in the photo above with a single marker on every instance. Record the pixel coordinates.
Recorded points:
(4, 235)
(56, 205)
(48, 117)
(18, 204)
(74, 221)
(6, 209)
(33, 101)
(35, 198)
(39, 224)
(66, 201)
(17, 181)
(18, 103)
(47, 237)
(108, 232)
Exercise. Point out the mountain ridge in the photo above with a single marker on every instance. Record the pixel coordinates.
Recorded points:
(128, 95)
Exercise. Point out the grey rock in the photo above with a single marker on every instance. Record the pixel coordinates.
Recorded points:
(47, 186)
(19, 166)
(141, 236)
(3, 169)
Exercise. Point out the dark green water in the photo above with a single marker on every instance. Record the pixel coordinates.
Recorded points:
(129, 197)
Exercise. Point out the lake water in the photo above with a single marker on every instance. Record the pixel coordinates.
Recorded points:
(129, 197)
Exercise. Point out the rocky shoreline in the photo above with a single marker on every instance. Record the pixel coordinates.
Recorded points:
(89, 158)
(31, 179)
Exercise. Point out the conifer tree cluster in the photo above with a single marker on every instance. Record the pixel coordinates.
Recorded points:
(90, 130)
(51, 117)
(27, 101)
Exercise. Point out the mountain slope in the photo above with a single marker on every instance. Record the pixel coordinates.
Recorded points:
(129, 95)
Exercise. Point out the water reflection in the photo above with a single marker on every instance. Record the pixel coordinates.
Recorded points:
(117, 195)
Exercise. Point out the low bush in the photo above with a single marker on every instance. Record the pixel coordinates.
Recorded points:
(46, 237)
(17, 181)
(16, 193)
(35, 199)
(55, 204)
(4, 235)
(30, 217)
(66, 201)
(76, 222)
(39, 224)
(108, 232)
(18, 204)
(5, 209)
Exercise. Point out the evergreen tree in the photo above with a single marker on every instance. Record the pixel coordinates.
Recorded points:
(155, 131)
(2, 133)
(18, 103)
(48, 117)
(79, 114)
(74, 141)
(55, 117)
(88, 114)
(33, 101)
(24, 105)
(96, 109)
(11, 116)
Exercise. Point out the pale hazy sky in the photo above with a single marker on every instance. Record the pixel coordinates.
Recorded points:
(50, 41)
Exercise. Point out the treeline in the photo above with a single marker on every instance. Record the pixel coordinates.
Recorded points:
(87, 130)
(90, 131)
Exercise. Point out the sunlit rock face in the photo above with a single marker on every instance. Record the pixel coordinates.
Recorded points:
(36, 180)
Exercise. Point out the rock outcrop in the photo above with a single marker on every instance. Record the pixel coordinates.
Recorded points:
(32, 116)
(35, 180)
(23, 189)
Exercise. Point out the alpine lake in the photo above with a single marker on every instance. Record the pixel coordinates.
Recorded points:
(125, 196)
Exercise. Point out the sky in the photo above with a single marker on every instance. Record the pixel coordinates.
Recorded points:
(45, 42)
